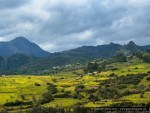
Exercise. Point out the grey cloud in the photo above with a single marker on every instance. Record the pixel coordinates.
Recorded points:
(8, 4)
(64, 24)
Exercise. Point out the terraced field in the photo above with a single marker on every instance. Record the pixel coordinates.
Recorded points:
(30, 88)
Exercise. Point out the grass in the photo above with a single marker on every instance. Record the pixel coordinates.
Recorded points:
(99, 103)
(63, 102)
(137, 99)
(12, 87)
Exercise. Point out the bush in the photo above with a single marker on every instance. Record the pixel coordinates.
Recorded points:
(130, 92)
(148, 72)
(52, 89)
(123, 104)
(93, 98)
(79, 88)
(46, 98)
(90, 90)
(136, 68)
(120, 57)
(17, 103)
(146, 58)
(112, 75)
(77, 95)
(142, 94)
(79, 109)
(148, 78)
(121, 86)
(37, 84)
(23, 97)
(40, 109)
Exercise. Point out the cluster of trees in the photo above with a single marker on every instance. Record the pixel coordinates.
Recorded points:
(144, 56)
(98, 67)
(78, 89)
(94, 67)
(75, 109)
(120, 57)
(111, 88)
(48, 97)
(17, 103)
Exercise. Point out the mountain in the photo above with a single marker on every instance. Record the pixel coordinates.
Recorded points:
(15, 61)
(100, 51)
(23, 46)
(82, 55)
(32, 65)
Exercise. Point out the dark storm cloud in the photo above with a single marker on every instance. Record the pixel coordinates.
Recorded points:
(63, 24)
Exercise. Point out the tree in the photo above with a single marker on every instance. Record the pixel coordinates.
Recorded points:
(79, 88)
(142, 94)
(146, 58)
(52, 89)
(91, 67)
(46, 98)
(120, 57)
(102, 67)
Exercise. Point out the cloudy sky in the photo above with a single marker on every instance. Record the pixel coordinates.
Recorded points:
(58, 25)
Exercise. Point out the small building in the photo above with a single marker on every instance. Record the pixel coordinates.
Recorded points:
(89, 73)
(95, 72)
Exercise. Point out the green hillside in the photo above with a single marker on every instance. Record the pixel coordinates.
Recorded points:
(116, 84)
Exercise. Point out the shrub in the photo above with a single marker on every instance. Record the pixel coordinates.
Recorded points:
(93, 98)
(48, 83)
(79, 109)
(39, 109)
(142, 94)
(17, 103)
(123, 104)
(37, 84)
(148, 72)
(77, 95)
(79, 88)
(90, 90)
(46, 98)
(121, 86)
(120, 57)
(148, 78)
(23, 97)
(52, 89)
(136, 68)
(54, 80)
(112, 75)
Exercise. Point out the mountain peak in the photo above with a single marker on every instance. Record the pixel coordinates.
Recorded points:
(23, 46)
(20, 39)
(111, 43)
(131, 43)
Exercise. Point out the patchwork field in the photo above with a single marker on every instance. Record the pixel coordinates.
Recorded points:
(30, 88)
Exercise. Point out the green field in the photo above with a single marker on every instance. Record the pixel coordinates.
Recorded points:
(13, 87)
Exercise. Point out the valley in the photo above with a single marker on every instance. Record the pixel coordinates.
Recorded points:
(120, 82)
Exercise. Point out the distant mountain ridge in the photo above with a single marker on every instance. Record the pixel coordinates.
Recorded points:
(21, 45)
(99, 51)
(83, 54)
(22, 55)
(107, 50)
(24, 46)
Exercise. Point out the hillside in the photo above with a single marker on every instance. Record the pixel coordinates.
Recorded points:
(20, 56)
(81, 56)
(23, 46)
(122, 84)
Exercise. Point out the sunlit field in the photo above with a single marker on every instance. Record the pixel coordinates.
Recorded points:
(28, 87)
